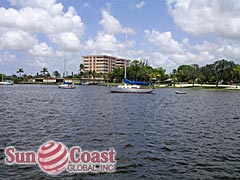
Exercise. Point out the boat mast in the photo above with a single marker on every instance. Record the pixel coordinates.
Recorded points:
(125, 63)
(64, 68)
(2, 72)
(125, 70)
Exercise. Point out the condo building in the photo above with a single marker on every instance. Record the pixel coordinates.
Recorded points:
(103, 63)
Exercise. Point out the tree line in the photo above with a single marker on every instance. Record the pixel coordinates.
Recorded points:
(220, 72)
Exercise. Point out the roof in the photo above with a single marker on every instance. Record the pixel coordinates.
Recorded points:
(106, 56)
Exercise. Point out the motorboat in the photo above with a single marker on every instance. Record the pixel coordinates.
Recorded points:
(180, 92)
(67, 85)
(85, 83)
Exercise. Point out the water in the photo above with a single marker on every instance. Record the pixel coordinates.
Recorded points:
(157, 136)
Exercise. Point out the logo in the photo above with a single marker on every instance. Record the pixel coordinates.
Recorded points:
(53, 158)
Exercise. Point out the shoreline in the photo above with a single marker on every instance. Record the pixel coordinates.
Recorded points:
(196, 86)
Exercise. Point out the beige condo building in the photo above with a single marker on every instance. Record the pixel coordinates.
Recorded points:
(103, 63)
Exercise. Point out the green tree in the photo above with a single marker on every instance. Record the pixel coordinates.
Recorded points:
(237, 73)
(224, 71)
(81, 67)
(45, 72)
(20, 71)
(174, 72)
(140, 70)
(56, 74)
(81, 70)
(117, 74)
(159, 73)
(189, 73)
(195, 73)
(208, 73)
(180, 74)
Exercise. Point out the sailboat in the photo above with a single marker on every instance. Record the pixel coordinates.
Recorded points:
(66, 85)
(131, 86)
(6, 82)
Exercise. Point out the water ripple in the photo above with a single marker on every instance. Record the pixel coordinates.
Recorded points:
(157, 136)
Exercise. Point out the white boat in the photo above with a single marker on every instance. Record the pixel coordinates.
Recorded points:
(85, 83)
(6, 82)
(180, 92)
(133, 88)
(67, 85)
(130, 89)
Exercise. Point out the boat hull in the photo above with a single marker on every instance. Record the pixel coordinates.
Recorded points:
(180, 92)
(6, 83)
(64, 86)
(130, 90)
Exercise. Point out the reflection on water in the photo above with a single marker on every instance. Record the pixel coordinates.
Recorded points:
(157, 136)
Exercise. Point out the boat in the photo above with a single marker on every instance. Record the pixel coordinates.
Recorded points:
(130, 89)
(180, 92)
(85, 82)
(6, 82)
(132, 86)
(67, 85)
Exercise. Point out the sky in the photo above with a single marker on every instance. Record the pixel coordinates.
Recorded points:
(42, 33)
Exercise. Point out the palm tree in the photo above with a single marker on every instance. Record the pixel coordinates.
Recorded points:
(20, 71)
(174, 76)
(56, 74)
(237, 72)
(44, 71)
(81, 67)
(24, 77)
(94, 74)
(195, 73)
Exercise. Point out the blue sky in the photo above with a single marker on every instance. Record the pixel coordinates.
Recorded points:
(39, 33)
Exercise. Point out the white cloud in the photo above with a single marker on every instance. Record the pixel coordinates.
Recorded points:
(218, 18)
(104, 42)
(205, 46)
(67, 41)
(44, 17)
(140, 5)
(63, 54)
(39, 62)
(77, 24)
(229, 50)
(7, 56)
(111, 25)
(50, 5)
(164, 41)
(39, 20)
(170, 53)
(30, 26)
(17, 40)
(42, 50)
(158, 59)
